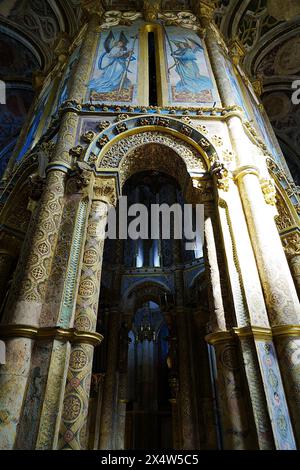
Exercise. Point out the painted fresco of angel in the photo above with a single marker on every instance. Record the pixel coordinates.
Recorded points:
(114, 65)
(185, 57)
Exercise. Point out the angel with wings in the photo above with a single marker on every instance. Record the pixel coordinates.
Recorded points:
(185, 57)
(113, 65)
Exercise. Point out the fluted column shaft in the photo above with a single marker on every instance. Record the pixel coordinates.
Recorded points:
(72, 428)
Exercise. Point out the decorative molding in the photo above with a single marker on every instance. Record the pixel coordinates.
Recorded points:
(291, 244)
(116, 17)
(54, 333)
(256, 332)
(220, 337)
(236, 51)
(269, 191)
(286, 330)
(245, 170)
(221, 173)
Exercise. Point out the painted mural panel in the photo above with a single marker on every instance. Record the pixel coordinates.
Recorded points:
(188, 76)
(115, 75)
(277, 405)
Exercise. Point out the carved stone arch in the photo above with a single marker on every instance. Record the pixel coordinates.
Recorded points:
(142, 291)
(152, 142)
(146, 289)
(141, 129)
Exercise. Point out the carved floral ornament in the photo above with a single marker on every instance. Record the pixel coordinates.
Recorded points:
(151, 13)
(291, 244)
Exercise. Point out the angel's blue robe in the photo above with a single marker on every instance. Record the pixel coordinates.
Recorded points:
(190, 78)
(113, 68)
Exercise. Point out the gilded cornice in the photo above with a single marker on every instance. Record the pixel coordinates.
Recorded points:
(53, 333)
(220, 337)
(286, 330)
(258, 333)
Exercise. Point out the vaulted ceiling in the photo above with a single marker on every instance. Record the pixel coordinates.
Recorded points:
(270, 34)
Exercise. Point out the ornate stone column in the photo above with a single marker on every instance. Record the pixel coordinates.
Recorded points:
(238, 313)
(73, 424)
(28, 291)
(109, 388)
(25, 304)
(256, 196)
(217, 319)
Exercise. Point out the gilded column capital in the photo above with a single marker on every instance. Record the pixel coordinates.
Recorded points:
(220, 337)
(258, 85)
(255, 332)
(92, 7)
(222, 175)
(151, 8)
(55, 333)
(105, 190)
(204, 9)
(236, 51)
(286, 330)
(269, 191)
(291, 244)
